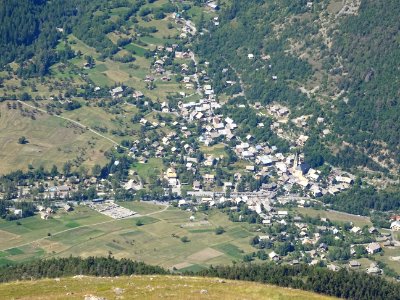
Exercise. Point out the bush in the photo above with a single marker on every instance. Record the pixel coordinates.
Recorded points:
(185, 239)
(22, 140)
(219, 230)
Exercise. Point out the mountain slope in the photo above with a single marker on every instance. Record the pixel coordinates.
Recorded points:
(332, 59)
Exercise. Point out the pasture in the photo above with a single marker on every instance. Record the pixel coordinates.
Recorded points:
(148, 287)
(50, 141)
(157, 240)
(335, 216)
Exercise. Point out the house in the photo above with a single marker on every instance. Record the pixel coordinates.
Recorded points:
(354, 264)
(171, 173)
(132, 185)
(372, 230)
(333, 267)
(18, 212)
(44, 215)
(282, 213)
(395, 226)
(355, 229)
(343, 179)
(196, 185)
(137, 94)
(250, 56)
(213, 5)
(117, 92)
(323, 247)
(374, 269)
(273, 256)
(67, 207)
(250, 168)
(209, 178)
(267, 222)
(373, 248)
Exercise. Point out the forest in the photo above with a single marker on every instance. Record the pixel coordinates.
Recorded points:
(369, 47)
(363, 200)
(31, 30)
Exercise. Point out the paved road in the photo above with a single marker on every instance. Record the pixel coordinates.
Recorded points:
(89, 225)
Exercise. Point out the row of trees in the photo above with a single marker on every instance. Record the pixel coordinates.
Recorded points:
(343, 284)
(93, 266)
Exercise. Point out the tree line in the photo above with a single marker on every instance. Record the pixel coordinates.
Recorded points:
(343, 284)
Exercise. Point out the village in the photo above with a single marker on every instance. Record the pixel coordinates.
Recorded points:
(282, 180)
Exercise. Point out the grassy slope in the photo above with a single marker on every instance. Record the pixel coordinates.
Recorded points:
(148, 287)
(335, 216)
(50, 142)
(43, 148)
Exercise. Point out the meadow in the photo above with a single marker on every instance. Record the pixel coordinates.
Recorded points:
(156, 239)
(50, 141)
(335, 216)
(149, 287)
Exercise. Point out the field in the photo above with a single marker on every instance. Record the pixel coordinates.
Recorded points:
(50, 141)
(336, 216)
(96, 117)
(85, 232)
(149, 287)
(153, 166)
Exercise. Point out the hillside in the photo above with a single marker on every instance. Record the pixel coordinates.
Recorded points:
(329, 59)
(194, 133)
(148, 287)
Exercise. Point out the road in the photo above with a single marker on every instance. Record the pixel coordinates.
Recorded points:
(75, 122)
(89, 225)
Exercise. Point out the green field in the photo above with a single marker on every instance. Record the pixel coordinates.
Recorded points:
(50, 141)
(85, 232)
(149, 287)
(153, 166)
(135, 49)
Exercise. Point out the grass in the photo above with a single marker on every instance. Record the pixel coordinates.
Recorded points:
(51, 141)
(145, 171)
(388, 253)
(230, 250)
(149, 287)
(335, 216)
(192, 268)
(14, 251)
(135, 49)
(156, 241)
(216, 150)
(141, 207)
